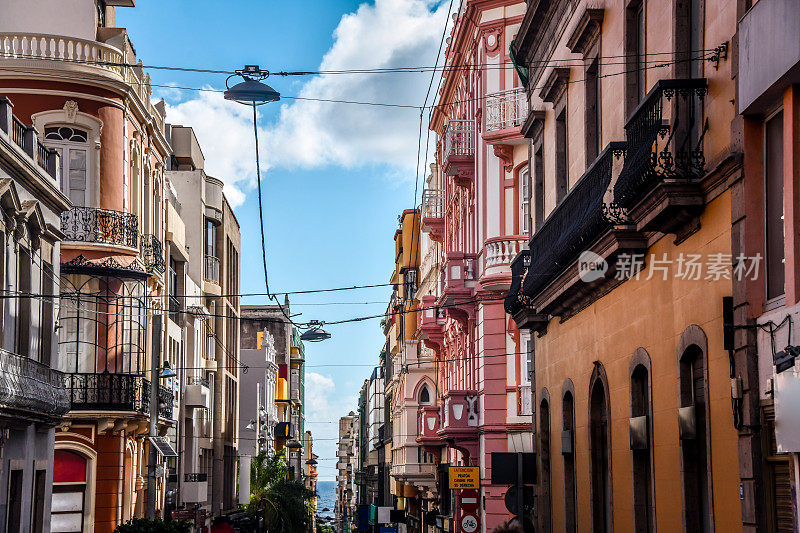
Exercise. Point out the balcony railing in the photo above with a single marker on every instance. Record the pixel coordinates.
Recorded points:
(574, 224)
(102, 226)
(211, 269)
(506, 109)
(502, 250)
(664, 139)
(153, 254)
(115, 392)
(29, 387)
(18, 132)
(432, 203)
(60, 48)
(460, 138)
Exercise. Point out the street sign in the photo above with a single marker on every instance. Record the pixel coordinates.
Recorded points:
(182, 514)
(505, 468)
(464, 477)
(527, 499)
(470, 523)
(468, 500)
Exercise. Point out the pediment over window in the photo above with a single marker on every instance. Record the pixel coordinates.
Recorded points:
(586, 32)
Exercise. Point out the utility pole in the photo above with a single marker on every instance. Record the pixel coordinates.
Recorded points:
(155, 362)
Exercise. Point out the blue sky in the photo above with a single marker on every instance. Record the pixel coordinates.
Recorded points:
(334, 176)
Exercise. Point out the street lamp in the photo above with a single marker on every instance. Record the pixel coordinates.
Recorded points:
(251, 426)
(315, 333)
(252, 92)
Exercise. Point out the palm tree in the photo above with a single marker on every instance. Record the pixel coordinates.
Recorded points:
(285, 504)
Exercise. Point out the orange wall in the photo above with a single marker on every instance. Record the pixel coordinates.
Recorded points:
(653, 315)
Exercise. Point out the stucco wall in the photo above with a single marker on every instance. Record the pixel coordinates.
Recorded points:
(653, 315)
(73, 18)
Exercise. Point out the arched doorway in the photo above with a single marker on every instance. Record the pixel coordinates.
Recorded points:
(600, 448)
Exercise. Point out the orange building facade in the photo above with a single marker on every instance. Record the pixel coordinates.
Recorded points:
(633, 152)
(99, 117)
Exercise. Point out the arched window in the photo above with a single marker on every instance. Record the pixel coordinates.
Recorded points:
(641, 444)
(545, 499)
(72, 144)
(568, 453)
(693, 433)
(600, 453)
(425, 396)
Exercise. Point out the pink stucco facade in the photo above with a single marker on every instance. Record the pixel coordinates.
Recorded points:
(472, 208)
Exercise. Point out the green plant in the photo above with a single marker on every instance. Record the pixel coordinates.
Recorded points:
(144, 525)
(285, 504)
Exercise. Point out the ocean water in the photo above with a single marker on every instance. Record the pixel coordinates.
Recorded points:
(326, 496)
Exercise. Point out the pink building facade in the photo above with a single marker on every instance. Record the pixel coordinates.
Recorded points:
(473, 207)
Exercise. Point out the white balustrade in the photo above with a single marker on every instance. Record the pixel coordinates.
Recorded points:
(432, 203)
(60, 48)
(506, 109)
(460, 138)
(503, 251)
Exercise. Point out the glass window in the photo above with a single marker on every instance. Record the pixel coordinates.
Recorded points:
(773, 223)
(71, 144)
(525, 201)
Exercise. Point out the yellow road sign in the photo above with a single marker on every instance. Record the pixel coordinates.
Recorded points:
(464, 477)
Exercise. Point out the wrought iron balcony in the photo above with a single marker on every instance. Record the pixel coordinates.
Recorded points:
(664, 153)
(30, 390)
(459, 151)
(430, 323)
(211, 269)
(574, 224)
(102, 226)
(506, 109)
(153, 254)
(433, 213)
(460, 139)
(115, 392)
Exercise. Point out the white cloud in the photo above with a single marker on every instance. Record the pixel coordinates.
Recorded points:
(323, 408)
(388, 33)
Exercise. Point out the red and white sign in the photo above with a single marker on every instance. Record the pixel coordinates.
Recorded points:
(468, 500)
(470, 523)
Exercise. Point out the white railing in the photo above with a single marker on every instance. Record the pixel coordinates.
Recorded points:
(432, 203)
(506, 109)
(460, 138)
(60, 48)
(525, 400)
(83, 52)
(503, 250)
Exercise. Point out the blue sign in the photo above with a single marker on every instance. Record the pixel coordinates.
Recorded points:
(388, 529)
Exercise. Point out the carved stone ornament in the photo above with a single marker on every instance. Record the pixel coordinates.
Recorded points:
(491, 39)
(70, 111)
(505, 153)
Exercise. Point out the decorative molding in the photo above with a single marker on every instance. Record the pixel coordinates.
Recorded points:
(491, 38)
(587, 31)
(71, 111)
(533, 125)
(505, 152)
(556, 85)
(108, 263)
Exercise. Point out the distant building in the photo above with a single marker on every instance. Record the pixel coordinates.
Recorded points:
(212, 244)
